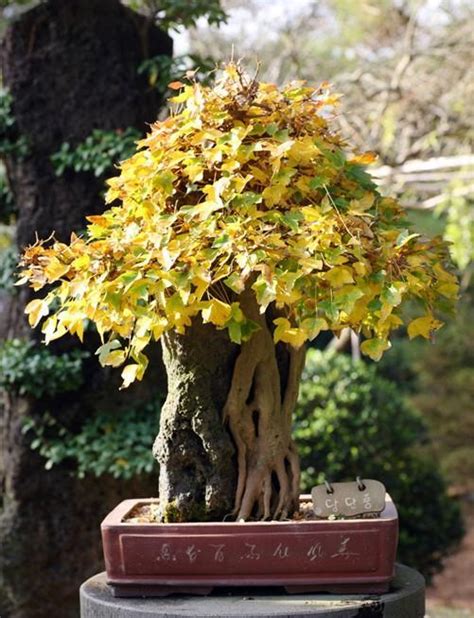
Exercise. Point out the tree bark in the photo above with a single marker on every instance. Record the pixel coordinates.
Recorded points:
(195, 451)
(71, 67)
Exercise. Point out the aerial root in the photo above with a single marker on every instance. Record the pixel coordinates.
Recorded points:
(259, 419)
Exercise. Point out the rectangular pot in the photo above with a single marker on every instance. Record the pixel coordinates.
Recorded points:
(350, 555)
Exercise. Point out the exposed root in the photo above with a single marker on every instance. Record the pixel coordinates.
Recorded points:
(260, 422)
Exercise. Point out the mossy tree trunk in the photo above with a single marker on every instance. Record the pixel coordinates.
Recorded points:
(194, 449)
(225, 445)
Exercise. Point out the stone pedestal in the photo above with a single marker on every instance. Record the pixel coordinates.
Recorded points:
(406, 599)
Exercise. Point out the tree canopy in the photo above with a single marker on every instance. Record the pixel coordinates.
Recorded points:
(245, 184)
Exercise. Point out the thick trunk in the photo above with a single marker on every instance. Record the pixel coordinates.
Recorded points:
(225, 445)
(195, 451)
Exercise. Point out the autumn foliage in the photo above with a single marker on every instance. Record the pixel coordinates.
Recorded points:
(243, 185)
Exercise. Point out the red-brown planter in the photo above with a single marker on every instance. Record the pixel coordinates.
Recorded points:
(351, 555)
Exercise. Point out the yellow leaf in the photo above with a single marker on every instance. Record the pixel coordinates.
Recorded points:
(98, 220)
(282, 148)
(274, 194)
(364, 158)
(53, 329)
(158, 327)
(389, 323)
(114, 358)
(259, 174)
(424, 326)
(139, 343)
(310, 213)
(360, 268)
(450, 290)
(362, 204)
(76, 327)
(304, 150)
(313, 326)
(288, 334)
(443, 275)
(35, 310)
(183, 96)
(203, 209)
(55, 269)
(374, 348)
(216, 312)
(129, 375)
(339, 276)
(82, 262)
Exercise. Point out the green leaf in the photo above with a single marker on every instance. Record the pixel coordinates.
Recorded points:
(404, 237)
(317, 182)
(104, 350)
(330, 309)
(374, 348)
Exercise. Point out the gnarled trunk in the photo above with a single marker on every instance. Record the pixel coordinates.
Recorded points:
(225, 443)
(259, 411)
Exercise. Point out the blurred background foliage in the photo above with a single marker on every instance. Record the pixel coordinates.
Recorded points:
(406, 70)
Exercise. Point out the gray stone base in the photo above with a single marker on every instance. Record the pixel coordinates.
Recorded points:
(406, 599)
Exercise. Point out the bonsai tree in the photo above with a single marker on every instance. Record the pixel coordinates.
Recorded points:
(241, 228)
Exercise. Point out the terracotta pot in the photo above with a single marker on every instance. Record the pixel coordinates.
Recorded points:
(351, 555)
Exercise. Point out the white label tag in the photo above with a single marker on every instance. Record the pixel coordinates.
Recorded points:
(348, 499)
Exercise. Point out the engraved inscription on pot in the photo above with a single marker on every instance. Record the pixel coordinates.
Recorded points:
(219, 553)
(251, 553)
(192, 553)
(281, 551)
(315, 552)
(165, 554)
(343, 550)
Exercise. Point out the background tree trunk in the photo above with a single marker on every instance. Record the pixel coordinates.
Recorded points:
(198, 469)
(71, 67)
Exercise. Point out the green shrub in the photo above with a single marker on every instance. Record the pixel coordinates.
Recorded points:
(113, 442)
(398, 364)
(98, 153)
(8, 264)
(350, 421)
(29, 369)
(440, 382)
(7, 203)
(445, 394)
(11, 143)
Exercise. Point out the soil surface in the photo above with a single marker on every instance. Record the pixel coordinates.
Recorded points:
(149, 513)
(454, 587)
